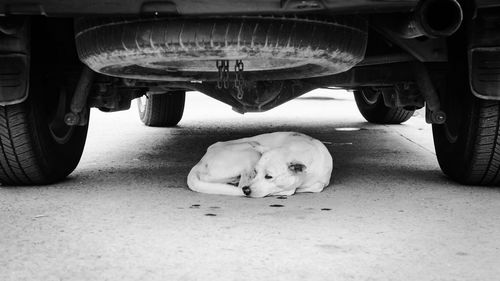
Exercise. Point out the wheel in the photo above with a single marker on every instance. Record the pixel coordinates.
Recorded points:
(371, 106)
(36, 146)
(162, 110)
(468, 144)
(187, 48)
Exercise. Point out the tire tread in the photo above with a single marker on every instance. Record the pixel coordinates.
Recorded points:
(17, 159)
(379, 113)
(485, 164)
(164, 110)
(211, 37)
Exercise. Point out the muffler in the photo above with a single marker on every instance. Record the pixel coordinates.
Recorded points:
(431, 18)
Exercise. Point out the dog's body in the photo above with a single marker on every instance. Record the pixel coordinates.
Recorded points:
(279, 163)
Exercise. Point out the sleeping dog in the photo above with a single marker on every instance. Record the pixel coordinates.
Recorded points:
(280, 163)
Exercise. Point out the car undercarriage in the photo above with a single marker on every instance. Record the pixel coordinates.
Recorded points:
(59, 59)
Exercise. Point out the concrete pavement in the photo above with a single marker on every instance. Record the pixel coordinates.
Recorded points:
(127, 214)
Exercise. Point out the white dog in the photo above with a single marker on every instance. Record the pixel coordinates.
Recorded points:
(279, 163)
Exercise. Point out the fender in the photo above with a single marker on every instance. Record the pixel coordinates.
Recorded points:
(484, 54)
(14, 60)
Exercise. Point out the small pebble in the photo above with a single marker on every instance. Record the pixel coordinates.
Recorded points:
(276, 205)
(40, 216)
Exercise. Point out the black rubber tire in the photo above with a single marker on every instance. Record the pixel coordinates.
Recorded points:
(36, 147)
(30, 152)
(468, 144)
(373, 109)
(186, 48)
(162, 110)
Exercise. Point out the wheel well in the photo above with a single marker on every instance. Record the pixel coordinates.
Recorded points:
(53, 43)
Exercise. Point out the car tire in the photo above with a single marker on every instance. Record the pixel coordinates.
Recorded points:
(371, 106)
(187, 48)
(468, 143)
(36, 146)
(162, 110)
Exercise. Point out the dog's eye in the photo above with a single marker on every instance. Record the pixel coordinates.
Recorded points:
(268, 177)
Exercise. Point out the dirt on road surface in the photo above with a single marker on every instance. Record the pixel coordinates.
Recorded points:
(126, 212)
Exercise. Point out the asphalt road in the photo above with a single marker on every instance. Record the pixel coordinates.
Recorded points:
(127, 214)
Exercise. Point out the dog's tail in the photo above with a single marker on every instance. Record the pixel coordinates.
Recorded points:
(196, 184)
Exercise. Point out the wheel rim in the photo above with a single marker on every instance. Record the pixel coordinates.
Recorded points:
(451, 133)
(58, 129)
(142, 103)
(454, 108)
(369, 96)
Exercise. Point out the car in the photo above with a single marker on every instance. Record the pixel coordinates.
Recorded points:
(58, 59)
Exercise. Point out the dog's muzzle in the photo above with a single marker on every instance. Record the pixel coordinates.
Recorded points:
(246, 190)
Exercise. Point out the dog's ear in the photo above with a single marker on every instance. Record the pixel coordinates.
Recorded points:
(258, 147)
(296, 167)
(246, 178)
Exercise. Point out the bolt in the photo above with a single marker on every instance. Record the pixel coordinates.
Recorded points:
(71, 119)
(439, 117)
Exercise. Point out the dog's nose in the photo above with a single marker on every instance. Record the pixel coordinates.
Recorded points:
(247, 190)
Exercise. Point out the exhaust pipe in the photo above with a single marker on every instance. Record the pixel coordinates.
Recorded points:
(431, 18)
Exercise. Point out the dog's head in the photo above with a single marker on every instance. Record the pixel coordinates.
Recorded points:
(276, 172)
